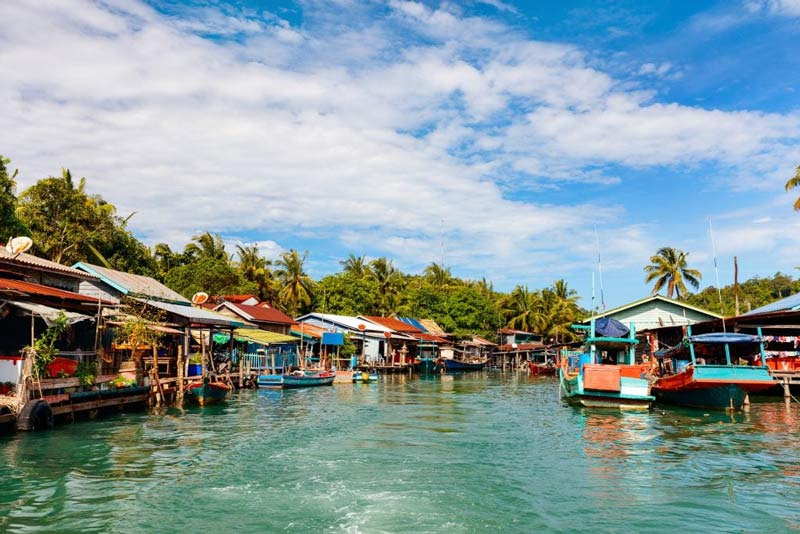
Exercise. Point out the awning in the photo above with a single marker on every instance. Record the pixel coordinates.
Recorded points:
(262, 337)
(195, 315)
(48, 314)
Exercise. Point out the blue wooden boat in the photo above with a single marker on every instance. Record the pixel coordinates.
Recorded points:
(207, 392)
(712, 371)
(365, 377)
(427, 365)
(461, 365)
(604, 374)
(306, 379)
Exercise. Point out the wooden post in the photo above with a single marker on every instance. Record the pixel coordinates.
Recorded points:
(179, 374)
(736, 286)
(160, 397)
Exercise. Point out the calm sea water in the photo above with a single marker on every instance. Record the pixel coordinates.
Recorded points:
(449, 454)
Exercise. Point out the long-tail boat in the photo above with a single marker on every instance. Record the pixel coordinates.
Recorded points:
(714, 371)
(604, 374)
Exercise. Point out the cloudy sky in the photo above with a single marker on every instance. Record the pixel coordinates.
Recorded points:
(515, 129)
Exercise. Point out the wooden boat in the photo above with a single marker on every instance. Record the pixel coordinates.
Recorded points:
(712, 371)
(604, 374)
(542, 365)
(207, 392)
(427, 365)
(305, 379)
(461, 365)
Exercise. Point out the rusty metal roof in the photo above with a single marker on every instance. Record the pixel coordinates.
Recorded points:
(20, 287)
(35, 262)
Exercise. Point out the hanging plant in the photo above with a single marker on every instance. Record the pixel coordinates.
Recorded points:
(44, 347)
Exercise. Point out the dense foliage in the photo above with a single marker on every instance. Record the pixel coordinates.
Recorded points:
(753, 293)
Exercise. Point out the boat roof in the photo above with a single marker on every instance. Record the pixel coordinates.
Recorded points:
(725, 337)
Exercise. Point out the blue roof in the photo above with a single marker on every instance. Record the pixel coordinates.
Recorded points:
(413, 322)
(723, 337)
(789, 303)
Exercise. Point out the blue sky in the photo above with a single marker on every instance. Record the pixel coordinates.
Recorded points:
(368, 127)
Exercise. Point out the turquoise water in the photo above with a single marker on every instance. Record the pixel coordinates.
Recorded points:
(482, 453)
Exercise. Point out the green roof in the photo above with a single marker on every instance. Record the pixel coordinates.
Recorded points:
(262, 336)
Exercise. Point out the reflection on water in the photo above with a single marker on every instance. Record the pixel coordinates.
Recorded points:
(443, 453)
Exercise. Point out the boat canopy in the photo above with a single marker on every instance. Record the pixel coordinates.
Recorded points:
(723, 337)
(608, 327)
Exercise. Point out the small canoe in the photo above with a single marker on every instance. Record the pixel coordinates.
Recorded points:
(303, 379)
(208, 392)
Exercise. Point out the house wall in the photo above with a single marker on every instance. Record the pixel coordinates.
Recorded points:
(98, 289)
(658, 313)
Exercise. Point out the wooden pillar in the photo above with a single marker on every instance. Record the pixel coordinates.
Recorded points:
(179, 375)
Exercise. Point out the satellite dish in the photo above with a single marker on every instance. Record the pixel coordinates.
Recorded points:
(387, 335)
(18, 245)
(199, 298)
(362, 326)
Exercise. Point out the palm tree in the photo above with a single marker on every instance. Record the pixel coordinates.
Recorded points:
(792, 183)
(668, 268)
(355, 265)
(256, 269)
(438, 275)
(389, 281)
(523, 307)
(295, 285)
(207, 246)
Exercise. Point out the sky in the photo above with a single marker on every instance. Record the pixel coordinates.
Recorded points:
(515, 140)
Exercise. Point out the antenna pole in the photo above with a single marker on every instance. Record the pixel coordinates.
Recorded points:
(716, 272)
(599, 268)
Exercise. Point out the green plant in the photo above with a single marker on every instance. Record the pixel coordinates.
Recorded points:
(86, 373)
(196, 358)
(44, 347)
(348, 347)
(121, 382)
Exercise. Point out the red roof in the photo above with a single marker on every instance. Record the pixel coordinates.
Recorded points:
(422, 336)
(261, 314)
(31, 289)
(393, 324)
(236, 298)
(520, 347)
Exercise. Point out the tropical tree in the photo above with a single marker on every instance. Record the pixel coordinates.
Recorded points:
(256, 269)
(669, 268)
(207, 245)
(389, 282)
(438, 275)
(522, 308)
(792, 183)
(296, 286)
(355, 265)
(10, 225)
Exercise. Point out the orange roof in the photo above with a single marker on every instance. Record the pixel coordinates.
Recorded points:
(31, 289)
(236, 298)
(308, 330)
(393, 324)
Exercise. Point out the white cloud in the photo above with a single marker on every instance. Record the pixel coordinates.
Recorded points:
(366, 134)
(786, 8)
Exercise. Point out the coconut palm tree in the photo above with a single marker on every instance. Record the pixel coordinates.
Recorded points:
(295, 285)
(792, 183)
(207, 246)
(389, 281)
(256, 269)
(438, 275)
(668, 268)
(355, 265)
(522, 308)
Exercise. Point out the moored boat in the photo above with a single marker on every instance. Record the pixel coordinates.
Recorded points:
(604, 374)
(207, 392)
(712, 371)
(427, 365)
(306, 379)
(451, 364)
(365, 377)
(270, 381)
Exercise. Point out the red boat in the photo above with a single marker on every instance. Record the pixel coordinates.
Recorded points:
(542, 369)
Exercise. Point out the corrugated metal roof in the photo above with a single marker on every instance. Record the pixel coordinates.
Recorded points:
(392, 323)
(792, 302)
(413, 322)
(195, 315)
(262, 336)
(29, 288)
(346, 321)
(40, 263)
(133, 284)
(257, 313)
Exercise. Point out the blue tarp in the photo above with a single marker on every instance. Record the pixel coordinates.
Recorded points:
(413, 322)
(332, 338)
(608, 327)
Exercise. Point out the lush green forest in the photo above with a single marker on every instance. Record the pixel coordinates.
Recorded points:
(68, 224)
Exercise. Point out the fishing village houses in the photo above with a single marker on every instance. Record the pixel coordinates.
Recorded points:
(87, 359)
